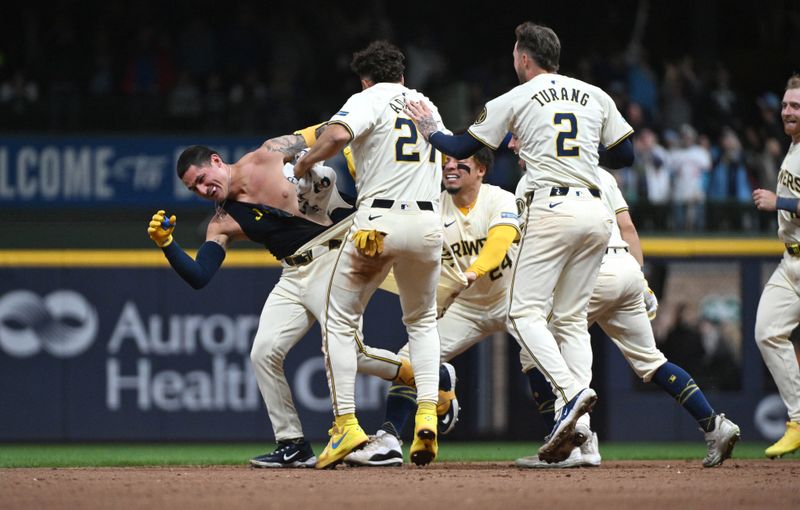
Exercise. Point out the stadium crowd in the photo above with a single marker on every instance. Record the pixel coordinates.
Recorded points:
(703, 142)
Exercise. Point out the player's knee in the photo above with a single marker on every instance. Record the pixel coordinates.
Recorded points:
(766, 334)
(265, 354)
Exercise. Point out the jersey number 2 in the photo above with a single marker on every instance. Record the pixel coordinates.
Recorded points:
(411, 139)
(568, 134)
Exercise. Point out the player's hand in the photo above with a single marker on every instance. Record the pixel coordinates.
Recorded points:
(423, 116)
(369, 242)
(160, 229)
(765, 200)
(471, 276)
(650, 301)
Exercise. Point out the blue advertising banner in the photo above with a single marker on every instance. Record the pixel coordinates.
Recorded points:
(98, 171)
(136, 354)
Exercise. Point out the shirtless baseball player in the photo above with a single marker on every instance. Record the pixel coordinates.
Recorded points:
(255, 200)
(397, 226)
(779, 309)
(480, 222)
(623, 305)
(560, 123)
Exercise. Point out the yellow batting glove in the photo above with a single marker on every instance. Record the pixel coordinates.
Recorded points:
(369, 242)
(159, 230)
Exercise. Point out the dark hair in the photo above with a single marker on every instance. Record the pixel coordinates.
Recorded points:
(197, 155)
(794, 82)
(485, 158)
(381, 61)
(540, 43)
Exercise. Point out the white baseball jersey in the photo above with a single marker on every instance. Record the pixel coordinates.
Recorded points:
(482, 309)
(789, 186)
(615, 202)
(777, 314)
(466, 235)
(393, 161)
(560, 122)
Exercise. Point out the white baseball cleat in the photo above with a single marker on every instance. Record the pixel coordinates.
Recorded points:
(590, 451)
(382, 450)
(534, 462)
(586, 455)
(720, 441)
(564, 437)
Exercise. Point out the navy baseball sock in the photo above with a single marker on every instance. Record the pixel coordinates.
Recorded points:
(543, 396)
(401, 402)
(675, 381)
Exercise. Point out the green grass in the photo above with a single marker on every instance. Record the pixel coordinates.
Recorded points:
(171, 454)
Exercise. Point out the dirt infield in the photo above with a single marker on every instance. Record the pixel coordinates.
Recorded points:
(648, 485)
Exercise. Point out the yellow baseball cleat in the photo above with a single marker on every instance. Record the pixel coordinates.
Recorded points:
(789, 443)
(346, 436)
(425, 446)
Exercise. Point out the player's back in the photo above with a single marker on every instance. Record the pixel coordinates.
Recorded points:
(393, 160)
(560, 121)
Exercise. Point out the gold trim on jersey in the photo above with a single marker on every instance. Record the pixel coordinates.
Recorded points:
(621, 209)
(363, 350)
(484, 142)
(326, 357)
(342, 123)
(611, 146)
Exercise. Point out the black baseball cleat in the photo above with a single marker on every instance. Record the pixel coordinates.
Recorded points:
(287, 454)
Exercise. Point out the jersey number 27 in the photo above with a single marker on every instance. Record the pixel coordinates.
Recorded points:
(400, 149)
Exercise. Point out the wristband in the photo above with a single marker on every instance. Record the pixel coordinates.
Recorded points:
(787, 204)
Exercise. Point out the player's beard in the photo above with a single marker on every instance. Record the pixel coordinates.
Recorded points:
(452, 190)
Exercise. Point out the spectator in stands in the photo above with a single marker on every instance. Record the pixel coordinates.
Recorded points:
(690, 163)
(728, 191)
(652, 165)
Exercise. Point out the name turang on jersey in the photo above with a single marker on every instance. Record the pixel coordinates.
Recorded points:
(550, 94)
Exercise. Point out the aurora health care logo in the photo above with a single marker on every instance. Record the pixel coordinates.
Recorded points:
(62, 323)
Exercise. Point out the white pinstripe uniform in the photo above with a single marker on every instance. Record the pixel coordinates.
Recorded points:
(398, 179)
(779, 308)
(616, 304)
(559, 122)
(482, 309)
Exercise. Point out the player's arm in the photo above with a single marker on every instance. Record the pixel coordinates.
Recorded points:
(311, 133)
(498, 241)
(196, 272)
(458, 146)
(619, 156)
(766, 200)
(288, 146)
(629, 234)
(333, 139)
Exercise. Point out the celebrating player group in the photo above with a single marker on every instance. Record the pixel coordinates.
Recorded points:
(559, 255)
